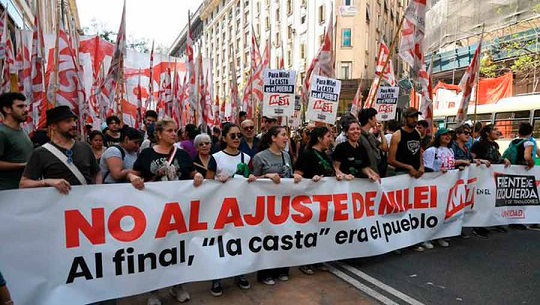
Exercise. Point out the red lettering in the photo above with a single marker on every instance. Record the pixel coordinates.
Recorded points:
(172, 219)
(387, 206)
(358, 205)
(75, 222)
(277, 100)
(323, 201)
(229, 214)
(370, 203)
(340, 205)
(282, 217)
(194, 223)
(421, 197)
(139, 223)
(433, 196)
(322, 106)
(258, 217)
(304, 213)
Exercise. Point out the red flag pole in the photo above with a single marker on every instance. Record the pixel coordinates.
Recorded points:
(56, 54)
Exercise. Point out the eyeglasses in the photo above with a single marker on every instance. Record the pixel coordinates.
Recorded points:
(466, 133)
(204, 143)
(249, 127)
(235, 136)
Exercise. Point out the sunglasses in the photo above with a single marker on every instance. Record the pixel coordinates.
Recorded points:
(235, 136)
(204, 143)
(249, 127)
(466, 133)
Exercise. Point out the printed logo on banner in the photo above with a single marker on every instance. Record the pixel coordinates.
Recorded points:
(386, 103)
(460, 196)
(513, 214)
(515, 190)
(323, 99)
(279, 92)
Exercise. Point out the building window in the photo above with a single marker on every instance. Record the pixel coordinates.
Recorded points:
(368, 13)
(346, 38)
(289, 32)
(303, 19)
(322, 14)
(267, 23)
(278, 39)
(348, 2)
(302, 51)
(289, 57)
(346, 69)
(277, 15)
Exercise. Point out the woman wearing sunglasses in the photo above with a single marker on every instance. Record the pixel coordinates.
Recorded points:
(203, 144)
(224, 165)
(117, 161)
(273, 162)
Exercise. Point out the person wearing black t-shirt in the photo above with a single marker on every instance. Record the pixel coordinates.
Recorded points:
(164, 162)
(112, 133)
(350, 158)
(405, 146)
(314, 163)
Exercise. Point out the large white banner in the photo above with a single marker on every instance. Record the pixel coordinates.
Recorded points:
(279, 88)
(110, 241)
(323, 99)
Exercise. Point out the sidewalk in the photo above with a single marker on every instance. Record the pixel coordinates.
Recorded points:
(322, 288)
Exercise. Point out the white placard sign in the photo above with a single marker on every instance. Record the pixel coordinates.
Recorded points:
(279, 87)
(386, 103)
(323, 99)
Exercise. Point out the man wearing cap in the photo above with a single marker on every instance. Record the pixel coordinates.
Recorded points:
(64, 161)
(405, 147)
(15, 145)
(266, 123)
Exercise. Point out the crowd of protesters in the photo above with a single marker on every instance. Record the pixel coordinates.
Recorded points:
(163, 151)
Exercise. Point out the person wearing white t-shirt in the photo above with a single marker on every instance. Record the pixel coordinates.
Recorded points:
(223, 166)
(439, 157)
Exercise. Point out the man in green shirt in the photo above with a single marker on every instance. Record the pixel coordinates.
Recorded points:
(15, 145)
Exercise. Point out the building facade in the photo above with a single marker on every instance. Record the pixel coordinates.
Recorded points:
(294, 30)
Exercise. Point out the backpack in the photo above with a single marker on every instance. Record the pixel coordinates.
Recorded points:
(512, 153)
(123, 156)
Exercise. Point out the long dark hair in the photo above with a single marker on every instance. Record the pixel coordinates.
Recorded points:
(266, 139)
(226, 129)
(130, 133)
(316, 134)
(95, 133)
(484, 133)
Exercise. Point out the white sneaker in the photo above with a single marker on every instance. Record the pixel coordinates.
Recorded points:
(427, 245)
(443, 243)
(153, 299)
(269, 281)
(179, 293)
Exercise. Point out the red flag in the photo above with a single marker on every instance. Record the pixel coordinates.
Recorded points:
(191, 89)
(138, 119)
(256, 61)
(282, 60)
(216, 112)
(469, 79)
(412, 34)
(108, 88)
(176, 111)
(9, 62)
(235, 103)
(39, 103)
(165, 97)
(388, 74)
(3, 28)
(357, 101)
(150, 99)
(426, 107)
(323, 63)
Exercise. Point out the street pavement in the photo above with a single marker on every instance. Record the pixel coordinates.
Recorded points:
(321, 288)
(504, 269)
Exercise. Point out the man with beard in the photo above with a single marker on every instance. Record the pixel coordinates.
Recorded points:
(15, 145)
(64, 161)
(405, 147)
(406, 152)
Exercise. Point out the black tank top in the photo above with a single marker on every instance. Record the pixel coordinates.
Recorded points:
(408, 150)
